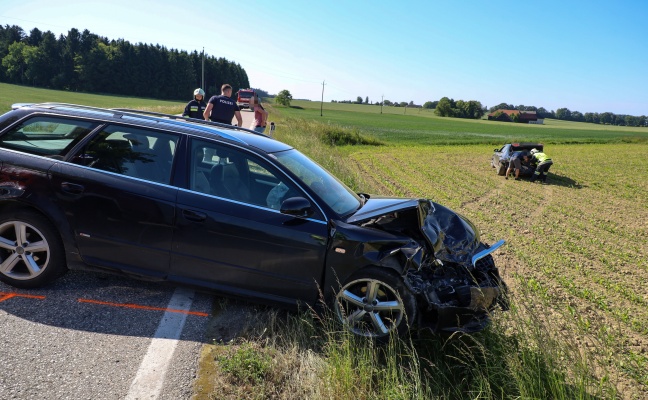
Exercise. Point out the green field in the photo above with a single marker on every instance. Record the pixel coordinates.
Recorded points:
(11, 94)
(418, 126)
(576, 249)
(575, 259)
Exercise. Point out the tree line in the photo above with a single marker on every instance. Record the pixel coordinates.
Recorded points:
(606, 118)
(85, 62)
(447, 107)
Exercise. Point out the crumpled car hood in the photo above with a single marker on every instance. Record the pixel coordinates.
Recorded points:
(451, 237)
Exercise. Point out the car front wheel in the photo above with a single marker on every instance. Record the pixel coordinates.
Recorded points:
(374, 303)
(31, 252)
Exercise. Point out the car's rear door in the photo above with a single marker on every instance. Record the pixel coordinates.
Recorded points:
(230, 236)
(115, 192)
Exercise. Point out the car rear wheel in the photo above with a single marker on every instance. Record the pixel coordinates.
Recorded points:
(501, 169)
(31, 251)
(375, 303)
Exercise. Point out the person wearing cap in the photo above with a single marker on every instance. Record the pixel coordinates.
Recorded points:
(222, 108)
(196, 107)
(544, 163)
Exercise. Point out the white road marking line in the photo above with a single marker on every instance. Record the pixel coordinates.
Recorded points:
(150, 376)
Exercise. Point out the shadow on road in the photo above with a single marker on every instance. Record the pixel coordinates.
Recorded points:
(104, 303)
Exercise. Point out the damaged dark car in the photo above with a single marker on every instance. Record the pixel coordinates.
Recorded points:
(160, 197)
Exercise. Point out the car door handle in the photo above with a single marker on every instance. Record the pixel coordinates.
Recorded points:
(72, 188)
(194, 215)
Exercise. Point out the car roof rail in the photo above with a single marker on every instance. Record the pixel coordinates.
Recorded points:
(191, 120)
(151, 116)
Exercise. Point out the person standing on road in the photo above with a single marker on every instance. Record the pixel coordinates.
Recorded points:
(222, 108)
(260, 114)
(516, 163)
(544, 163)
(196, 107)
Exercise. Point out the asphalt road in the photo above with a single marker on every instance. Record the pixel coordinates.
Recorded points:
(248, 117)
(88, 335)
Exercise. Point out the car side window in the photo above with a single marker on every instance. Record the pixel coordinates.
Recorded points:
(226, 172)
(46, 136)
(138, 153)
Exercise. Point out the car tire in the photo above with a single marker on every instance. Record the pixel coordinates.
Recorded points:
(501, 169)
(374, 302)
(31, 250)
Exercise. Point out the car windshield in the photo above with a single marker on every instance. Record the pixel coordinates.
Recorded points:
(334, 193)
(245, 95)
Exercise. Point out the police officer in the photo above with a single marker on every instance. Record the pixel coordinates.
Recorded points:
(544, 163)
(222, 108)
(196, 107)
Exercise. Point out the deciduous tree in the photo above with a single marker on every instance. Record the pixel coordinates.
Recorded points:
(284, 98)
(444, 108)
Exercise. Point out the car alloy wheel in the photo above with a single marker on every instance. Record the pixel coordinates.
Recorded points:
(374, 304)
(30, 251)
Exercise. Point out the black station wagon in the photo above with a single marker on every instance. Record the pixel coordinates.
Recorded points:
(222, 208)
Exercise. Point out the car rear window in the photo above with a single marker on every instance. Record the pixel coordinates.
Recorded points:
(46, 136)
(138, 153)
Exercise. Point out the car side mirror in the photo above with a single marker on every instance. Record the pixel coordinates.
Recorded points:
(296, 206)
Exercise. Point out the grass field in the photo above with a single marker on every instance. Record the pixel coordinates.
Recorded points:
(423, 127)
(576, 249)
(11, 94)
(575, 258)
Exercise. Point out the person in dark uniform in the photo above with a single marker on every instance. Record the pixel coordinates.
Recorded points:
(196, 107)
(222, 108)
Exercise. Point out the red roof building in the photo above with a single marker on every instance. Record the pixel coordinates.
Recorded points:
(513, 116)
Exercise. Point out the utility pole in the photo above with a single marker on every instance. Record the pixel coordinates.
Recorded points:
(202, 82)
(382, 100)
(322, 103)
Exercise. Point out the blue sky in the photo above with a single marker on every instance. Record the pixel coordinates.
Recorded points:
(588, 56)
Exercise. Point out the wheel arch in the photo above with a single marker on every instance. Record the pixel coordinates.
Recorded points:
(58, 222)
(389, 279)
(337, 276)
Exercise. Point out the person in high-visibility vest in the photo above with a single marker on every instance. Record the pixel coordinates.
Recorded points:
(544, 163)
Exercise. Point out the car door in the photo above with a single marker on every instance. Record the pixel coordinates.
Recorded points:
(115, 192)
(231, 236)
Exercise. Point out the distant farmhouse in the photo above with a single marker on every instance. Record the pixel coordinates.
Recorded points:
(525, 117)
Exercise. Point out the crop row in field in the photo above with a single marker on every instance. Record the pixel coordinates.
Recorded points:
(582, 238)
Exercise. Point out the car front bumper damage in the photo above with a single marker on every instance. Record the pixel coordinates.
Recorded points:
(460, 284)
(441, 258)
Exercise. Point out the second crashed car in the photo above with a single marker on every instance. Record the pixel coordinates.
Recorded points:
(225, 209)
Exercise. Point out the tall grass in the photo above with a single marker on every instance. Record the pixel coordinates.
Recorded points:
(307, 355)
(528, 352)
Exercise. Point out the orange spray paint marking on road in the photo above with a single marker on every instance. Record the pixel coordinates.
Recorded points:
(140, 307)
(7, 296)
